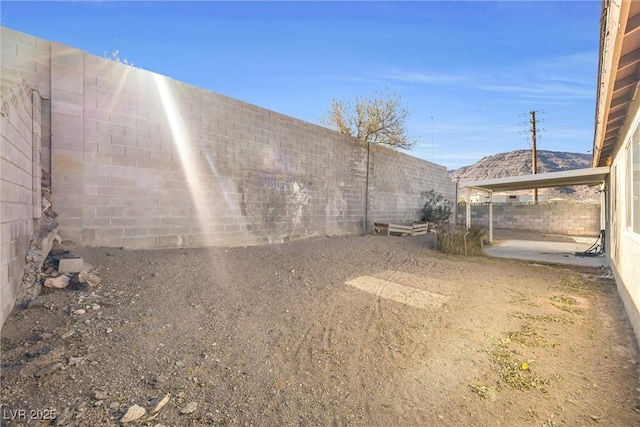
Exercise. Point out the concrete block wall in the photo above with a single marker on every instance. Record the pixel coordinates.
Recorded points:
(139, 160)
(19, 183)
(575, 219)
(167, 164)
(67, 139)
(398, 183)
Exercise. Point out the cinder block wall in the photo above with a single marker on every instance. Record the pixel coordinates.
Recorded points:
(166, 164)
(398, 183)
(139, 160)
(19, 184)
(575, 219)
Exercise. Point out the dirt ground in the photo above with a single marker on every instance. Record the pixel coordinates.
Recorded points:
(376, 331)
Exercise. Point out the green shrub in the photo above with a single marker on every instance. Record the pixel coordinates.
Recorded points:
(437, 210)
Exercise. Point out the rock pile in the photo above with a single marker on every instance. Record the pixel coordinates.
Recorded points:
(44, 235)
(47, 262)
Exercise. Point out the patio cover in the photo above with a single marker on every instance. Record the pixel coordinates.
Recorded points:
(590, 176)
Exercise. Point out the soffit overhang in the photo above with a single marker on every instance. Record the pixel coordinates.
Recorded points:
(618, 76)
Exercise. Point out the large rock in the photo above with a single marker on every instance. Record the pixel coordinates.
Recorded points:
(133, 413)
(59, 282)
(71, 265)
(44, 236)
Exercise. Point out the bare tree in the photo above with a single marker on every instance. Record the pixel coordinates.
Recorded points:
(379, 120)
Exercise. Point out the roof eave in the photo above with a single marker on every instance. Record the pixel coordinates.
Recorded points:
(613, 24)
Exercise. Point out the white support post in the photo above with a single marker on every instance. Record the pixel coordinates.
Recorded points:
(490, 217)
(603, 206)
(468, 208)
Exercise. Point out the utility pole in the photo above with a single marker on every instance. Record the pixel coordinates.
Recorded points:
(534, 162)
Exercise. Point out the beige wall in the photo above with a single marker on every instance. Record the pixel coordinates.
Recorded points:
(624, 245)
(139, 160)
(398, 183)
(19, 184)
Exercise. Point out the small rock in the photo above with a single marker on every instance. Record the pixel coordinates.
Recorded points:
(159, 380)
(59, 282)
(36, 302)
(100, 395)
(46, 336)
(63, 418)
(114, 406)
(68, 334)
(95, 307)
(133, 413)
(80, 312)
(109, 330)
(158, 403)
(75, 360)
(189, 408)
(49, 369)
(79, 404)
(90, 278)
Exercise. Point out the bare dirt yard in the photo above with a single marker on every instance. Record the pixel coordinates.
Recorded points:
(375, 331)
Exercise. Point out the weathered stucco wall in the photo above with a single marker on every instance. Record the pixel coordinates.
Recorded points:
(19, 184)
(574, 219)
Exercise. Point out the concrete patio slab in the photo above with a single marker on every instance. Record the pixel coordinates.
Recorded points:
(547, 252)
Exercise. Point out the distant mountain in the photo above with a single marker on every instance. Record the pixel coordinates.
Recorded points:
(518, 162)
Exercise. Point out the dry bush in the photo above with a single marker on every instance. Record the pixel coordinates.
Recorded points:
(461, 242)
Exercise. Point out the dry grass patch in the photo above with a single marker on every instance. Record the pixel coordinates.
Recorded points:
(515, 373)
(544, 318)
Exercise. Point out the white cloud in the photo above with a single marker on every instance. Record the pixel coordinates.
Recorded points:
(419, 77)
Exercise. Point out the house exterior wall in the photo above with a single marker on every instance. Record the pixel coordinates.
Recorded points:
(623, 249)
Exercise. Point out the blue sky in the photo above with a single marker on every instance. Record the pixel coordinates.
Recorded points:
(477, 68)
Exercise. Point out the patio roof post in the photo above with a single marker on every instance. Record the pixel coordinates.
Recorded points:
(603, 206)
(490, 217)
(468, 208)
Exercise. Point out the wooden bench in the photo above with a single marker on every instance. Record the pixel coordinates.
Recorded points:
(388, 228)
(420, 228)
